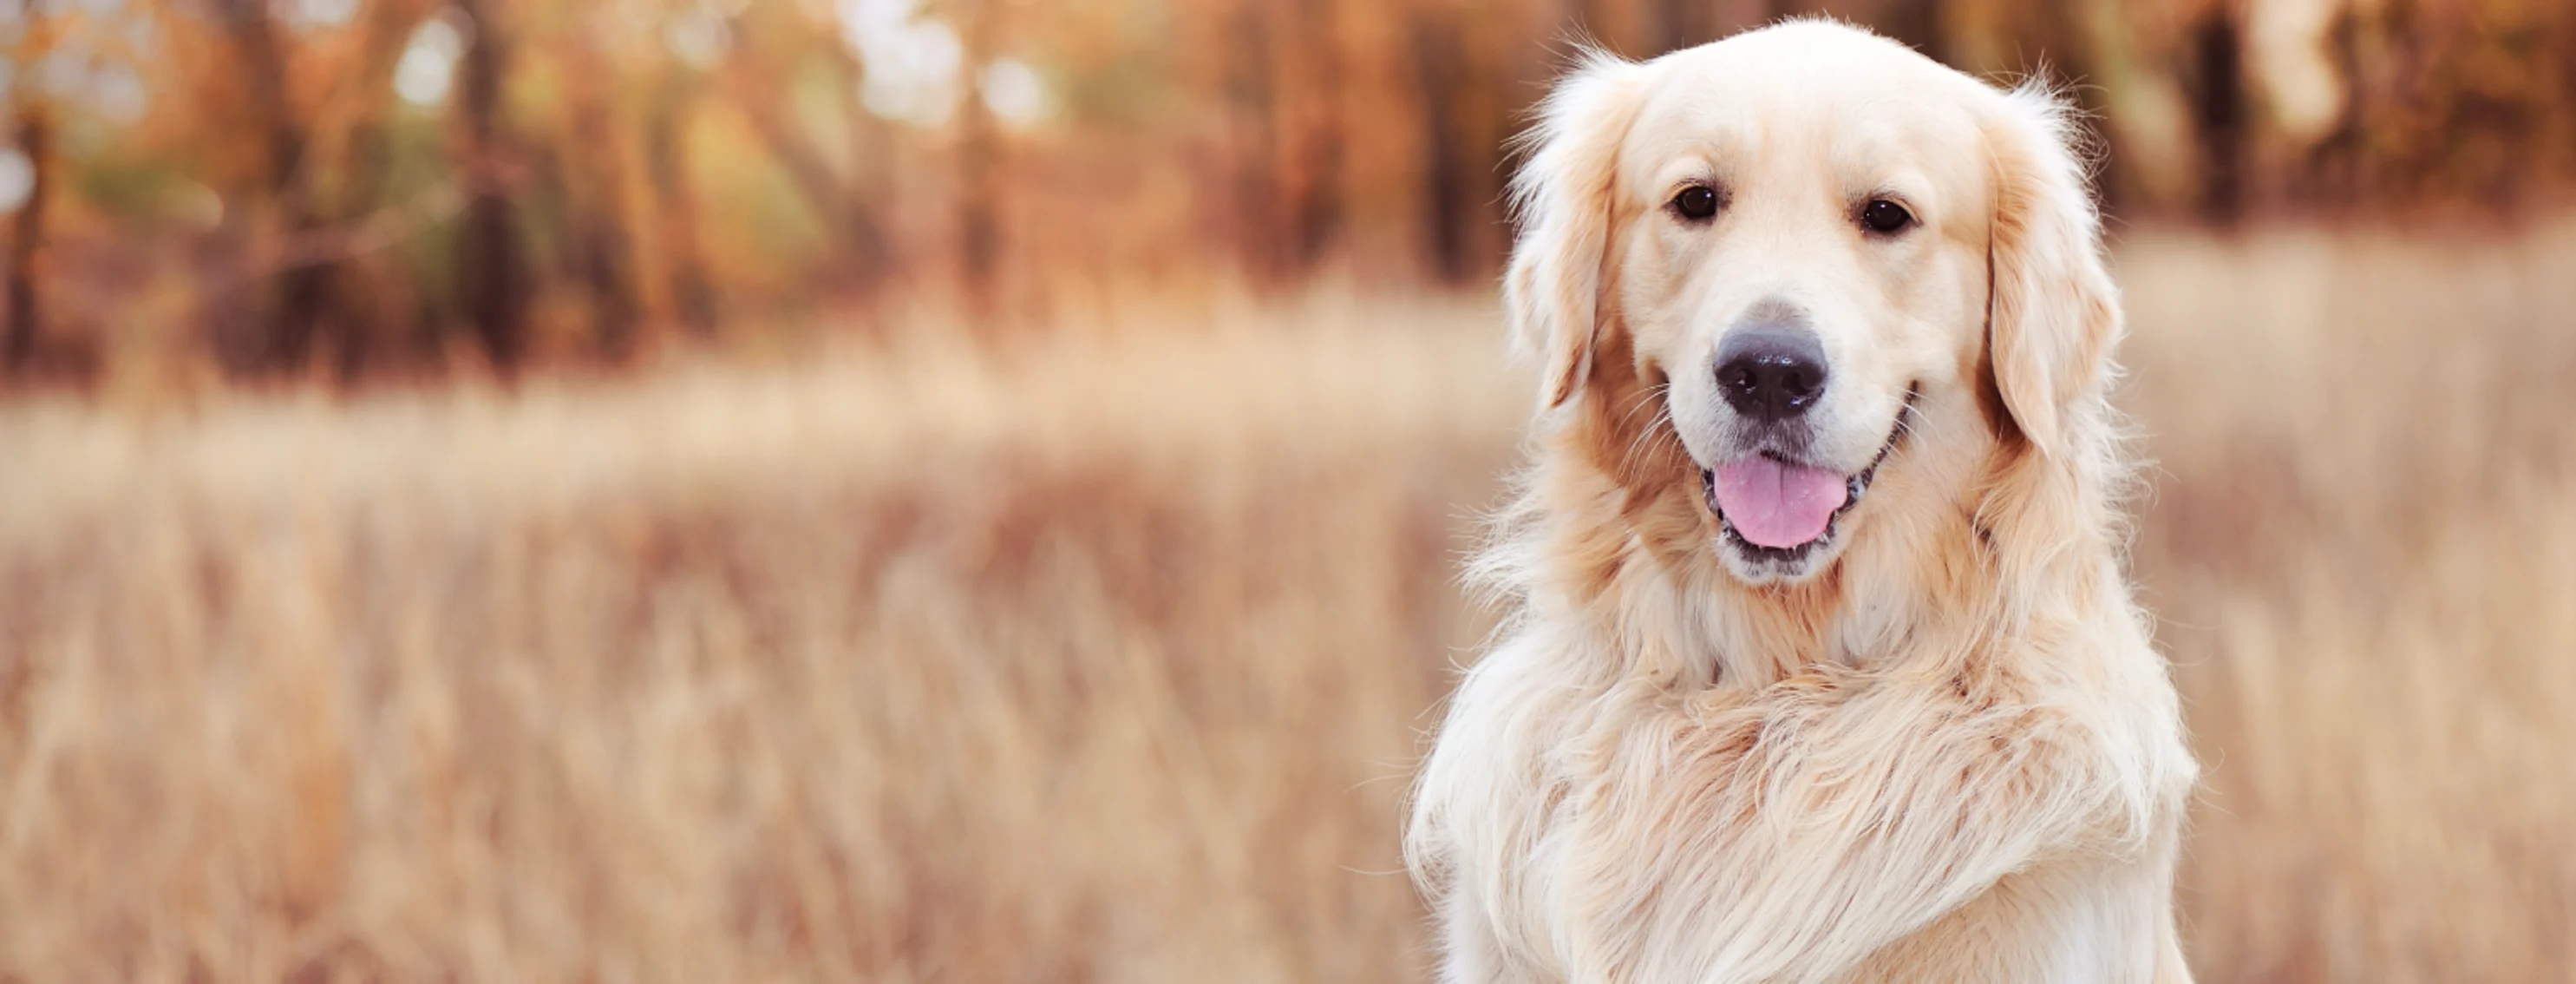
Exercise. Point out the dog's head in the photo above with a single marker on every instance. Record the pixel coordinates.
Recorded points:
(1820, 254)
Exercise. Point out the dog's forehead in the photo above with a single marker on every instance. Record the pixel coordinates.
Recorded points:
(1817, 58)
(1811, 92)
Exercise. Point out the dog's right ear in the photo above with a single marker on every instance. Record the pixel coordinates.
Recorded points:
(1562, 198)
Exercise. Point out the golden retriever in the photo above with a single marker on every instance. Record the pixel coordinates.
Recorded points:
(1823, 664)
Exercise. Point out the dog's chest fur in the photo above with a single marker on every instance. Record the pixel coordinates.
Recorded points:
(1547, 739)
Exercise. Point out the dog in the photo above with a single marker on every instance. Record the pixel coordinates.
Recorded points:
(1822, 664)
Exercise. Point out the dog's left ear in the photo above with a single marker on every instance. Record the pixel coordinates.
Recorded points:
(2053, 314)
(1562, 197)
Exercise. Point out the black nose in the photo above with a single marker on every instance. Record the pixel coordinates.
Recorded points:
(1771, 373)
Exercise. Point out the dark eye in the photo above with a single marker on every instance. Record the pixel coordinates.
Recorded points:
(1696, 202)
(1883, 216)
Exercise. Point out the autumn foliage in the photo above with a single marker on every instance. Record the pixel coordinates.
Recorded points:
(354, 189)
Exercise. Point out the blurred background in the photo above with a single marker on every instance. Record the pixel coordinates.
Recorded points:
(357, 189)
(973, 491)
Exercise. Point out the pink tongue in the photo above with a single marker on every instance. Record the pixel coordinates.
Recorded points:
(1777, 505)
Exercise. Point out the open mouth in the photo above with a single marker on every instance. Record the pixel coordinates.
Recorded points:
(1775, 509)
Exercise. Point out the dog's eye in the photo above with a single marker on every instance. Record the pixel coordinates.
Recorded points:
(1883, 216)
(1696, 203)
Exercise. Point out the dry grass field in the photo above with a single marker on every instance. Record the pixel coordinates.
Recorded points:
(1106, 660)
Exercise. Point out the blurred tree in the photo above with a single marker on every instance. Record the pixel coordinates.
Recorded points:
(2215, 80)
(1440, 70)
(760, 83)
(1262, 237)
(31, 129)
(587, 164)
(360, 178)
(491, 276)
(301, 305)
(665, 159)
(979, 245)
(361, 296)
(1918, 23)
(1316, 94)
(35, 144)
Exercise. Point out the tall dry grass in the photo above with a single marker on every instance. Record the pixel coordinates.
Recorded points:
(2363, 550)
(1106, 660)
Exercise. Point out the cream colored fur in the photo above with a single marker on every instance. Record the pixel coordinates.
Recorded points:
(1947, 751)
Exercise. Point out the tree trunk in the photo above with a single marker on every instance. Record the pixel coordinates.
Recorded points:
(979, 242)
(863, 254)
(1254, 154)
(851, 225)
(35, 138)
(304, 296)
(358, 313)
(677, 208)
(1917, 23)
(2218, 110)
(1592, 21)
(491, 277)
(26, 238)
(1439, 68)
(595, 206)
(1677, 24)
(1317, 218)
